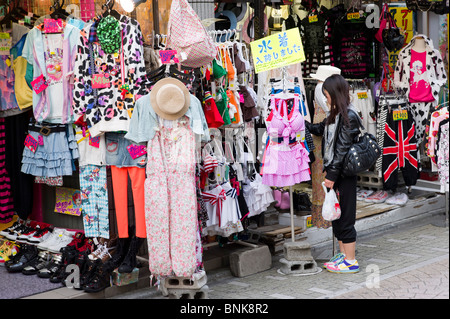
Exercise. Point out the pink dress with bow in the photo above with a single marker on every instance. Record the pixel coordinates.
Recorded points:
(286, 161)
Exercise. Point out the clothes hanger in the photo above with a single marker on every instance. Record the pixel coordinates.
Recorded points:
(59, 12)
(109, 10)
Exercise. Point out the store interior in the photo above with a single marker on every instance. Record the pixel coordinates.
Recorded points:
(134, 161)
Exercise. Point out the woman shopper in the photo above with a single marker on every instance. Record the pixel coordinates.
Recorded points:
(338, 130)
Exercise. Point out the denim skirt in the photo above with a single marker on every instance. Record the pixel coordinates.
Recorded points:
(117, 153)
(54, 155)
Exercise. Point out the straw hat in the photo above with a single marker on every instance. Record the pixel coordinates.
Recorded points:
(170, 98)
(324, 71)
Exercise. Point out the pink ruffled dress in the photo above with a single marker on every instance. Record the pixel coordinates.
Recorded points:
(286, 161)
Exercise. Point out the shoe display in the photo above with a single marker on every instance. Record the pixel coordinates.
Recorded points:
(6, 231)
(16, 231)
(52, 267)
(363, 194)
(378, 197)
(58, 239)
(399, 199)
(77, 241)
(100, 280)
(26, 234)
(40, 236)
(50, 239)
(43, 260)
(87, 274)
(30, 253)
(61, 241)
(104, 248)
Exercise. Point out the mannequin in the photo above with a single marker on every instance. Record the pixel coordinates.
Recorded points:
(419, 45)
(413, 74)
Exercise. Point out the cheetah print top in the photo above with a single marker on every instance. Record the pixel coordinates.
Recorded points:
(107, 109)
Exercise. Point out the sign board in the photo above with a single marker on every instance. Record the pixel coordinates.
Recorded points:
(277, 50)
(404, 19)
(68, 201)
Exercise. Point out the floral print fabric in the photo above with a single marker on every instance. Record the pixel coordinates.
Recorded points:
(170, 201)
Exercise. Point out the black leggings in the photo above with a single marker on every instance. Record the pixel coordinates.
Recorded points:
(344, 227)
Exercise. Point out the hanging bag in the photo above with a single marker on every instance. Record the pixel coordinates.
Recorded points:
(188, 36)
(362, 155)
(331, 209)
(383, 23)
(393, 39)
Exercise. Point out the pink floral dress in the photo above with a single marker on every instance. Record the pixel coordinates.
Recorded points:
(171, 202)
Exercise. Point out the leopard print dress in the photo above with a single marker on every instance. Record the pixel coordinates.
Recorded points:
(107, 108)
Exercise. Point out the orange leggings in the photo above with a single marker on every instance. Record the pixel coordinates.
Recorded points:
(120, 188)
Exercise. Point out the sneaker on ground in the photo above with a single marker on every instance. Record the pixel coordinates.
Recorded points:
(378, 197)
(344, 267)
(104, 247)
(398, 199)
(29, 255)
(335, 259)
(52, 267)
(16, 224)
(61, 241)
(363, 194)
(40, 236)
(16, 231)
(51, 239)
(43, 260)
(27, 234)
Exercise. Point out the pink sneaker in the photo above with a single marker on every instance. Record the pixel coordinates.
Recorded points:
(377, 197)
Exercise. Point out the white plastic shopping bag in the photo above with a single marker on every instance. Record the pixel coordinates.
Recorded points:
(331, 210)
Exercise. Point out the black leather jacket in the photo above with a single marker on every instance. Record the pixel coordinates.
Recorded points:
(345, 136)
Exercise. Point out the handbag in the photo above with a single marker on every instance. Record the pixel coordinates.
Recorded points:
(393, 39)
(383, 23)
(362, 155)
(385, 84)
(188, 36)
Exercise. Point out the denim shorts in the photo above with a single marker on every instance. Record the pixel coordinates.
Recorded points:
(117, 153)
(55, 156)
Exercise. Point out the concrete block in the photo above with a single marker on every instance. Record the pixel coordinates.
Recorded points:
(270, 217)
(298, 250)
(289, 267)
(201, 293)
(255, 236)
(196, 282)
(249, 261)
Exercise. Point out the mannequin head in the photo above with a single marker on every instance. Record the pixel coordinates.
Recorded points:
(419, 44)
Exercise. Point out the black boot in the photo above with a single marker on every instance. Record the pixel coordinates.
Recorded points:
(89, 272)
(130, 262)
(117, 258)
(101, 279)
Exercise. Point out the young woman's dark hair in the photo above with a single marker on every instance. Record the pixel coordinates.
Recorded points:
(338, 89)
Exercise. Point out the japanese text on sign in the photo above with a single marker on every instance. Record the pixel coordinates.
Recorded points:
(404, 19)
(277, 50)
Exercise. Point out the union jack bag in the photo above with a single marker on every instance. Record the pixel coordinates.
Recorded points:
(188, 36)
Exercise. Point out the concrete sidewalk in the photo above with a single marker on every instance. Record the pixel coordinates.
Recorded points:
(411, 260)
(402, 253)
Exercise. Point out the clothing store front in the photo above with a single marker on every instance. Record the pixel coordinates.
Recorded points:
(145, 139)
